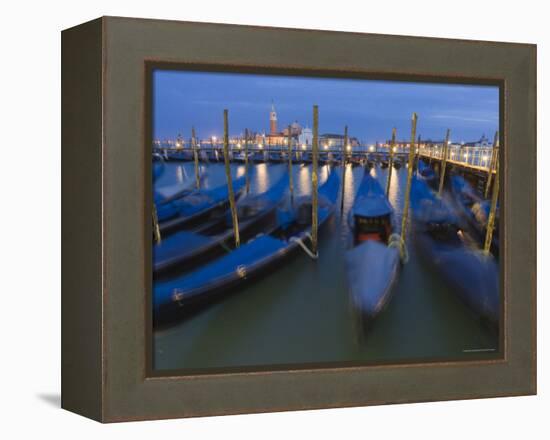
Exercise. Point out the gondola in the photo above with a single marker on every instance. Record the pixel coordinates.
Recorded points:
(180, 155)
(441, 239)
(240, 157)
(213, 155)
(297, 156)
(277, 157)
(258, 156)
(474, 210)
(425, 172)
(373, 261)
(356, 160)
(158, 166)
(168, 193)
(175, 298)
(256, 213)
(195, 207)
(324, 159)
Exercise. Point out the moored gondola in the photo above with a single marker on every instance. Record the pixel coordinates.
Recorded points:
(474, 210)
(165, 194)
(425, 172)
(185, 249)
(177, 297)
(158, 166)
(180, 155)
(373, 261)
(195, 207)
(441, 239)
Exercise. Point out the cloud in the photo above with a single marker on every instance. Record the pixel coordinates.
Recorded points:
(480, 119)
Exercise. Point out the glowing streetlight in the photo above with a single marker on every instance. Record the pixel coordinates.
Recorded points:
(304, 146)
(260, 146)
(348, 147)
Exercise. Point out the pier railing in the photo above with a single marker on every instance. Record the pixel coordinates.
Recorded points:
(478, 158)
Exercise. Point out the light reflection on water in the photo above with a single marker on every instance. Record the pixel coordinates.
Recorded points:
(180, 176)
(299, 313)
(260, 177)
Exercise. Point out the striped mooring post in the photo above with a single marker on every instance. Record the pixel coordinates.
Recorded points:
(231, 194)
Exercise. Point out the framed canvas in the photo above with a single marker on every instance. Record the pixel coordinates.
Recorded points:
(264, 219)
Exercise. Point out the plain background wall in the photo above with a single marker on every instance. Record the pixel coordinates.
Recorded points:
(30, 218)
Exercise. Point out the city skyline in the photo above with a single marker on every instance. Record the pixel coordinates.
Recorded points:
(370, 108)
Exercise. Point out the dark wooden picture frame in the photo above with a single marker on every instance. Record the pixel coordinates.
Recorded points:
(106, 279)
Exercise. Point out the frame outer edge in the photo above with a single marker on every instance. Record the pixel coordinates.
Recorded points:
(81, 213)
(126, 394)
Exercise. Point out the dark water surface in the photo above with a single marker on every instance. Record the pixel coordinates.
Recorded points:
(300, 312)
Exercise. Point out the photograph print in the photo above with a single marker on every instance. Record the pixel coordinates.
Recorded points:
(310, 222)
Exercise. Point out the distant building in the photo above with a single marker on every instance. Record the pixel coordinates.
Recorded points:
(275, 137)
(483, 142)
(306, 137)
(273, 120)
(295, 130)
(331, 140)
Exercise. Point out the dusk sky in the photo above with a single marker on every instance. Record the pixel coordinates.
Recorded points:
(370, 108)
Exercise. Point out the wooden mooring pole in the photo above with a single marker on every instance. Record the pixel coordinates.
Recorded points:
(231, 194)
(290, 179)
(392, 146)
(196, 158)
(417, 153)
(247, 185)
(409, 179)
(443, 163)
(314, 179)
(493, 161)
(344, 157)
(156, 227)
(492, 212)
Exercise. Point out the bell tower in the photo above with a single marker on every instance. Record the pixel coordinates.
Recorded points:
(273, 119)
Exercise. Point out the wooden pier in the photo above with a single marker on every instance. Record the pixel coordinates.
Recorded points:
(474, 163)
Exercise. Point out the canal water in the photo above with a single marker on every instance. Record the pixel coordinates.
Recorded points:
(300, 312)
